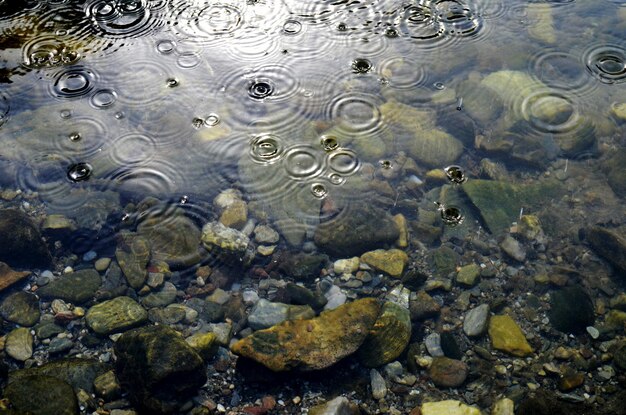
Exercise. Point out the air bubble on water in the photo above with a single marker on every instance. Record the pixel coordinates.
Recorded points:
(119, 115)
(329, 142)
(65, 114)
(391, 32)
(342, 27)
(197, 122)
(361, 65)
(439, 85)
(455, 174)
(385, 164)
(165, 46)
(451, 215)
(172, 82)
(184, 199)
(260, 89)
(336, 179)
(125, 217)
(74, 136)
(212, 120)
(292, 27)
(79, 172)
(319, 190)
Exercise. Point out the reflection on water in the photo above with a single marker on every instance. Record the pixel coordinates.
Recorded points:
(444, 155)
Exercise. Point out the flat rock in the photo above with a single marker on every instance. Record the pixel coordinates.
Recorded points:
(448, 373)
(390, 261)
(79, 373)
(118, 314)
(513, 248)
(609, 245)
(174, 239)
(378, 384)
(20, 241)
(311, 344)
(8, 276)
(388, 338)
(338, 406)
(161, 298)
(357, 230)
(423, 306)
(266, 314)
(75, 287)
(301, 266)
(158, 369)
(571, 310)
(21, 308)
(468, 275)
(448, 407)
(42, 395)
(19, 344)
(476, 320)
(506, 335)
(133, 254)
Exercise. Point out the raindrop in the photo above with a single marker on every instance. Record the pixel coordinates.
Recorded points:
(607, 63)
(342, 27)
(197, 122)
(172, 82)
(385, 164)
(329, 143)
(266, 148)
(260, 89)
(361, 65)
(336, 179)
(319, 190)
(439, 85)
(344, 162)
(184, 199)
(292, 27)
(119, 115)
(125, 217)
(79, 172)
(391, 32)
(455, 174)
(74, 83)
(65, 114)
(212, 120)
(103, 98)
(451, 215)
(165, 46)
(459, 104)
(75, 136)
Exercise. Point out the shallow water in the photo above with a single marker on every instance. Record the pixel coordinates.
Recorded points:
(311, 110)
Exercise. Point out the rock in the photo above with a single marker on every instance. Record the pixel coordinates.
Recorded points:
(79, 373)
(42, 395)
(357, 230)
(8, 277)
(102, 264)
(107, 386)
(58, 226)
(449, 407)
(513, 248)
(132, 254)
(571, 310)
(296, 294)
(19, 344)
(158, 368)
(235, 215)
(468, 275)
(506, 335)
(266, 314)
(448, 373)
(217, 236)
(335, 297)
(423, 306)
(338, 406)
(529, 227)
(401, 224)
(475, 322)
(60, 345)
(212, 312)
(413, 279)
(20, 241)
(171, 314)
(346, 266)
(433, 345)
(443, 260)
(450, 346)
(542, 26)
(165, 296)
(311, 344)
(388, 338)
(503, 406)
(204, 343)
(301, 266)
(118, 314)
(263, 234)
(570, 380)
(608, 244)
(46, 330)
(619, 355)
(391, 262)
(174, 239)
(613, 167)
(21, 308)
(378, 384)
(75, 287)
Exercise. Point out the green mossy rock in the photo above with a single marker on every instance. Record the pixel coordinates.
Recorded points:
(20, 241)
(42, 395)
(390, 261)
(158, 369)
(312, 344)
(118, 314)
(388, 338)
(133, 254)
(174, 239)
(79, 373)
(75, 287)
(21, 308)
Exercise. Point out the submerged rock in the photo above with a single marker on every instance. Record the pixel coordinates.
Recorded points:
(506, 335)
(312, 344)
(42, 395)
(79, 373)
(173, 239)
(118, 314)
(9, 277)
(266, 314)
(21, 308)
(391, 261)
(448, 373)
(19, 344)
(608, 244)
(75, 287)
(132, 254)
(229, 240)
(301, 266)
(338, 406)
(20, 241)
(357, 230)
(475, 322)
(158, 368)
(571, 310)
(388, 338)
(449, 407)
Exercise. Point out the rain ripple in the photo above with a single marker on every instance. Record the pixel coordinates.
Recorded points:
(5, 107)
(121, 18)
(562, 70)
(607, 63)
(74, 82)
(355, 113)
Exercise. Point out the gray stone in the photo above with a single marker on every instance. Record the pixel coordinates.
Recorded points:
(20, 241)
(174, 238)
(48, 329)
(59, 345)
(263, 234)
(167, 315)
(132, 254)
(513, 248)
(377, 382)
(118, 314)
(338, 406)
(21, 308)
(75, 287)
(266, 314)
(165, 296)
(216, 235)
(433, 345)
(608, 244)
(79, 373)
(19, 344)
(476, 320)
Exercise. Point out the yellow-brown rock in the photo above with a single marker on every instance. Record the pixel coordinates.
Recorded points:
(388, 338)
(506, 335)
(390, 261)
(403, 239)
(449, 407)
(314, 343)
(235, 215)
(204, 343)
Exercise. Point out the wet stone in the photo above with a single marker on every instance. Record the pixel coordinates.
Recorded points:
(165, 296)
(448, 373)
(263, 234)
(19, 344)
(513, 248)
(423, 306)
(42, 395)
(118, 314)
(107, 386)
(75, 287)
(433, 345)
(102, 264)
(59, 345)
(608, 244)
(174, 239)
(338, 406)
(448, 407)
(47, 330)
(167, 315)
(266, 314)
(619, 356)
(9, 277)
(212, 312)
(468, 275)
(216, 235)
(205, 344)
(235, 215)
(21, 308)
(506, 335)
(388, 338)
(20, 241)
(132, 254)
(391, 261)
(301, 266)
(363, 228)
(443, 261)
(378, 384)
(79, 373)
(296, 294)
(571, 310)
(476, 320)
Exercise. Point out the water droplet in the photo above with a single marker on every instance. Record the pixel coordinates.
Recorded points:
(103, 98)
(361, 65)
(165, 46)
(197, 122)
(61, 32)
(266, 148)
(79, 172)
(119, 115)
(212, 120)
(65, 114)
(184, 199)
(74, 136)
(261, 88)
(336, 179)
(292, 27)
(172, 82)
(451, 215)
(385, 164)
(125, 217)
(459, 104)
(342, 27)
(455, 174)
(439, 85)
(329, 142)
(319, 190)
(391, 32)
